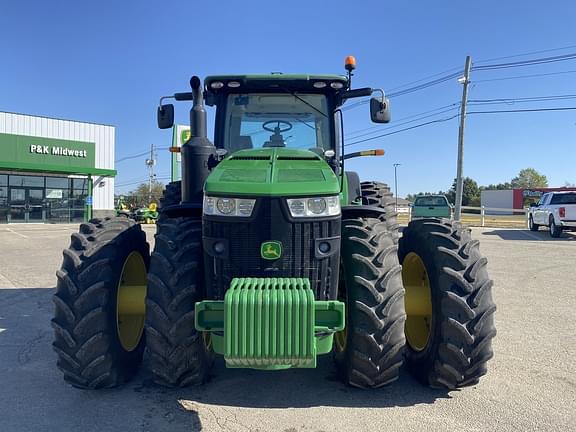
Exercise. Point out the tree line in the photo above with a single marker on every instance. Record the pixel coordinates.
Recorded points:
(527, 178)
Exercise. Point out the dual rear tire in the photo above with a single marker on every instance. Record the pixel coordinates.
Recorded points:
(449, 305)
(99, 304)
(113, 301)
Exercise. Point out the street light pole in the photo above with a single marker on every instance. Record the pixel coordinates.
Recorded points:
(396, 165)
(150, 164)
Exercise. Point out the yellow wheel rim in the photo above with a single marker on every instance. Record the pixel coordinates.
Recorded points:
(130, 302)
(418, 301)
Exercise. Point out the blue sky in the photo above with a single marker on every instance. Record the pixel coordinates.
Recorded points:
(109, 62)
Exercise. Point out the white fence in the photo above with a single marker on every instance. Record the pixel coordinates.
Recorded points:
(481, 216)
(509, 213)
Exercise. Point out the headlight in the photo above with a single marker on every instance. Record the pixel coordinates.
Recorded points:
(314, 206)
(220, 206)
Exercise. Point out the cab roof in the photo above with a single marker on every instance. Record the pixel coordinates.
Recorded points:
(268, 82)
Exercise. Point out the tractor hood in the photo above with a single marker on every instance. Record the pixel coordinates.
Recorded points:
(272, 171)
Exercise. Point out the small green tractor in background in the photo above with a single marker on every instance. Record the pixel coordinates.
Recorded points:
(269, 253)
(147, 215)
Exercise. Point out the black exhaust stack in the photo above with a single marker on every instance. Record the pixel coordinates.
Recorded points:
(197, 152)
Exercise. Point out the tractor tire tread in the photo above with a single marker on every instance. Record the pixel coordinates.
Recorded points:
(375, 304)
(177, 354)
(88, 354)
(457, 354)
(378, 194)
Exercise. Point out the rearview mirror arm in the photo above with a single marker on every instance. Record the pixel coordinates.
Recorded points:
(382, 92)
(162, 100)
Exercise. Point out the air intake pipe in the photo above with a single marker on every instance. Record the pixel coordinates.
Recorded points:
(198, 151)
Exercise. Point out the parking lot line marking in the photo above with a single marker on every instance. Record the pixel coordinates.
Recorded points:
(17, 233)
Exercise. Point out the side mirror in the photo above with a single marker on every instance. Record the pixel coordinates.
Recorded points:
(533, 204)
(380, 110)
(166, 116)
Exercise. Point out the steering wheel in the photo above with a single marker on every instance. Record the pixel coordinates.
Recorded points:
(277, 129)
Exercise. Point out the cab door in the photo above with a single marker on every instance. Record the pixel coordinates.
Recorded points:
(540, 214)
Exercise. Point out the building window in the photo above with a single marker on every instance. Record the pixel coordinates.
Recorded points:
(3, 202)
(26, 198)
(26, 181)
(58, 182)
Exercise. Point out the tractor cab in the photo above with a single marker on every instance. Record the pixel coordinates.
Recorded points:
(276, 111)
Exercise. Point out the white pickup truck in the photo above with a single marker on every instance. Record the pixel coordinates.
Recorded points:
(556, 210)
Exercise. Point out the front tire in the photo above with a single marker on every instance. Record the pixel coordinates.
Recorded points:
(99, 313)
(449, 306)
(532, 225)
(172, 196)
(368, 353)
(378, 194)
(179, 355)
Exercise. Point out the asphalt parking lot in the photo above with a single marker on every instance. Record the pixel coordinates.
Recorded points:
(531, 384)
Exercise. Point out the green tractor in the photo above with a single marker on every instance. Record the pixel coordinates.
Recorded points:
(147, 215)
(269, 253)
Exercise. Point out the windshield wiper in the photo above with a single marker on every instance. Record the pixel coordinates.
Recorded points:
(302, 100)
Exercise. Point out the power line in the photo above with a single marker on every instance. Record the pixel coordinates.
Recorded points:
(141, 181)
(524, 110)
(130, 183)
(138, 155)
(354, 105)
(449, 76)
(407, 122)
(532, 62)
(526, 54)
(425, 78)
(131, 157)
(403, 130)
(524, 76)
(349, 134)
(511, 101)
(425, 85)
(409, 90)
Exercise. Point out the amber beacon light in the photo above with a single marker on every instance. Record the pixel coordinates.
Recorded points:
(350, 63)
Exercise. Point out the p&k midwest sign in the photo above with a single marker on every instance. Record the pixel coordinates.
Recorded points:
(30, 153)
(57, 150)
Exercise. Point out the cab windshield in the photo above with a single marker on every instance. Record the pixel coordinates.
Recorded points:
(276, 120)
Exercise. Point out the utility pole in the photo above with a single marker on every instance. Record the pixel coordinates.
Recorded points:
(150, 162)
(459, 180)
(396, 165)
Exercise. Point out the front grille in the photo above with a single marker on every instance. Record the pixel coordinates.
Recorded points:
(243, 240)
(250, 158)
(298, 158)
